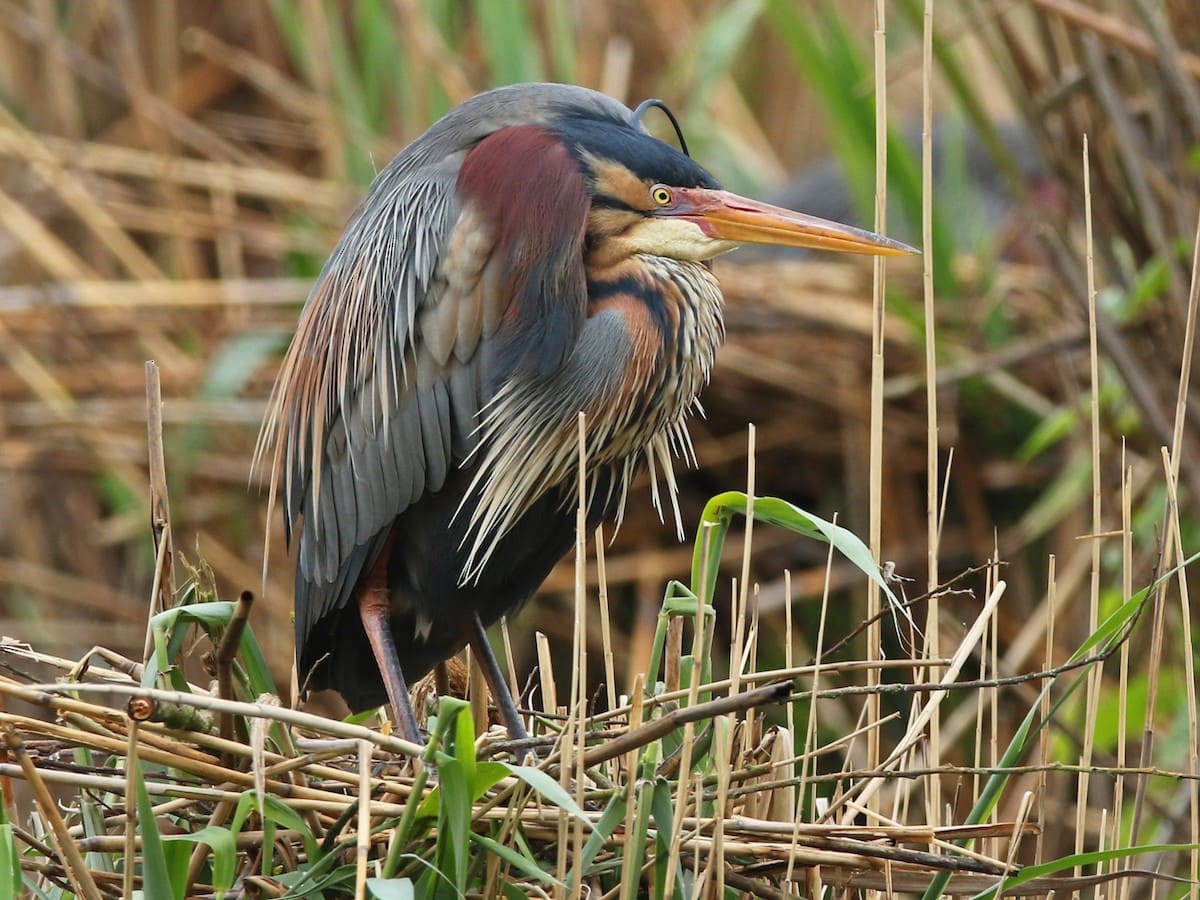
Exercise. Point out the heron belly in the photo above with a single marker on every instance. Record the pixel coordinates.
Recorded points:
(431, 606)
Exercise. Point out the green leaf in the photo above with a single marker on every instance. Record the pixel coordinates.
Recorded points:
(464, 744)
(224, 853)
(266, 865)
(662, 808)
(719, 44)
(278, 812)
(827, 50)
(516, 860)
(391, 888)
(178, 855)
(254, 663)
(91, 818)
(613, 815)
(487, 776)
(720, 510)
(210, 616)
(1053, 429)
(340, 879)
(283, 815)
(168, 622)
(156, 877)
(635, 844)
(360, 718)
(550, 789)
(454, 823)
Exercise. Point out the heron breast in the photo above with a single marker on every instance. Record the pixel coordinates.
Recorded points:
(670, 313)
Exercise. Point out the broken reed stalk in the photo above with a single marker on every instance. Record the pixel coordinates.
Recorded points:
(227, 652)
(163, 593)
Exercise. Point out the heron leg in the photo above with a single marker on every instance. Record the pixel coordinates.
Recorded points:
(441, 679)
(495, 681)
(374, 608)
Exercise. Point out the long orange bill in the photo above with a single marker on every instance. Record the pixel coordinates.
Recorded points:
(729, 217)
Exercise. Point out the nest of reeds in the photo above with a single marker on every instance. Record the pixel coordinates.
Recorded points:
(170, 176)
(683, 786)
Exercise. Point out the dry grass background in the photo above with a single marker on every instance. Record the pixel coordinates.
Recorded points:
(187, 229)
(172, 173)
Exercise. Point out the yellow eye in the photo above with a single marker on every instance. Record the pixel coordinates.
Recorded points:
(660, 195)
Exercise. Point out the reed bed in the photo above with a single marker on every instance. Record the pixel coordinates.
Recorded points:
(1007, 704)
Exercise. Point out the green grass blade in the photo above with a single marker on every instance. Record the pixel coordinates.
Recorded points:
(678, 600)
(825, 50)
(963, 86)
(613, 815)
(560, 29)
(719, 45)
(1091, 858)
(10, 859)
(91, 817)
(1104, 638)
(174, 623)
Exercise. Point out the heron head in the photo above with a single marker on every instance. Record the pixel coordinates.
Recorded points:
(647, 197)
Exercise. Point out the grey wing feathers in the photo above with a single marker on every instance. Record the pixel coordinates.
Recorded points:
(363, 421)
(358, 462)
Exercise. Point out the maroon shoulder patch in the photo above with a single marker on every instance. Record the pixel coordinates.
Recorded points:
(524, 181)
(525, 184)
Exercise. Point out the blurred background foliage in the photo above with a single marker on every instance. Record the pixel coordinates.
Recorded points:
(173, 172)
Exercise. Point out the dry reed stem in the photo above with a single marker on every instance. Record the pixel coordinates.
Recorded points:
(1114, 29)
(688, 717)
(579, 667)
(362, 842)
(974, 635)
(878, 276)
(1094, 674)
(73, 862)
(48, 695)
(932, 443)
(1189, 666)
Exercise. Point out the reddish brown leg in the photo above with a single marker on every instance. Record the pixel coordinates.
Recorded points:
(375, 610)
(495, 681)
(373, 606)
